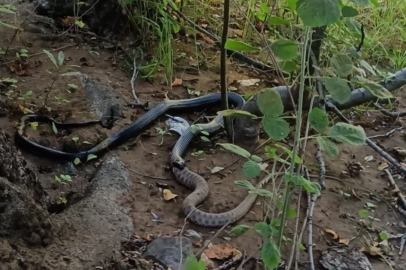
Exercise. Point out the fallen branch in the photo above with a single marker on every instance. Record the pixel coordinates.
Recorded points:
(387, 134)
(401, 201)
(386, 112)
(373, 145)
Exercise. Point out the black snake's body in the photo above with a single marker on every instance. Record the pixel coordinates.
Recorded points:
(182, 173)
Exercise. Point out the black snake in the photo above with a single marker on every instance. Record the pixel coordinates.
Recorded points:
(181, 172)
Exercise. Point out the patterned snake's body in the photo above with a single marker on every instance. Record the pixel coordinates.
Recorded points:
(182, 174)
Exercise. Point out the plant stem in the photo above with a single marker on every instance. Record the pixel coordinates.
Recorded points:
(290, 186)
(223, 67)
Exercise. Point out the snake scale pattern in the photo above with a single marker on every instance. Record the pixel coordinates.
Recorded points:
(183, 175)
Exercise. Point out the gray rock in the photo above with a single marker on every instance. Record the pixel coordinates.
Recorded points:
(169, 251)
(345, 259)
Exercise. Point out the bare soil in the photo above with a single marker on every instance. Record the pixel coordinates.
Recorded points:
(149, 153)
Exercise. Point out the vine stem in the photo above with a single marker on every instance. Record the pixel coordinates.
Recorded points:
(290, 186)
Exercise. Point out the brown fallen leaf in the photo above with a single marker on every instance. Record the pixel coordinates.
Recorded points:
(177, 82)
(333, 233)
(371, 250)
(68, 21)
(220, 252)
(210, 264)
(24, 109)
(344, 241)
(168, 195)
(383, 165)
(400, 152)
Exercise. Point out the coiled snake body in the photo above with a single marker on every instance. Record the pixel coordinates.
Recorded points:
(181, 172)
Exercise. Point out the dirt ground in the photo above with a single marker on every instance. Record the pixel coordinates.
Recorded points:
(149, 154)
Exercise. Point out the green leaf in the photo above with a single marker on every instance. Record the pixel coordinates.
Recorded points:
(360, 2)
(263, 229)
(347, 133)
(86, 142)
(264, 7)
(51, 57)
(291, 213)
(290, 154)
(375, 3)
(57, 179)
(90, 157)
(328, 146)
(61, 58)
(244, 184)
(353, 25)
(318, 120)
(261, 192)
(76, 161)
(256, 159)
(384, 235)
(367, 66)
(298, 180)
(239, 230)
(6, 10)
(235, 149)
(72, 86)
(374, 88)
(270, 102)
(251, 169)
(270, 254)
(348, 11)
(7, 25)
(363, 213)
(300, 246)
(55, 130)
(238, 46)
(276, 128)
(292, 4)
(270, 152)
(191, 263)
(75, 139)
(338, 89)
(236, 113)
(287, 66)
(315, 13)
(285, 49)
(277, 21)
(341, 64)
(79, 23)
(34, 125)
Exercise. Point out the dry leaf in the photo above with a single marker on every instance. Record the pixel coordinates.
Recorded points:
(24, 109)
(344, 241)
(216, 169)
(249, 82)
(369, 158)
(177, 82)
(371, 250)
(400, 152)
(210, 264)
(205, 39)
(384, 165)
(168, 195)
(237, 255)
(68, 21)
(333, 233)
(220, 252)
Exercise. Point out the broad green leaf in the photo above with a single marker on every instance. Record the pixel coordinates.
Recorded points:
(285, 49)
(315, 13)
(54, 129)
(341, 64)
(191, 263)
(347, 133)
(236, 113)
(244, 184)
(270, 102)
(360, 2)
(264, 7)
(311, 187)
(79, 23)
(363, 213)
(76, 161)
(353, 25)
(300, 246)
(90, 157)
(290, 154)
(292, 4)
(72, 86)
(270, 254)
(238, 46)
(6, 10)
(288, 66)
(61, 58)
(277, 21)
(367, 66)
(51, 57)
(297, 180)
(57, 179)
(374, 88)
(318, 119)
(235, 149)
(239, 230)
(75, 139)
(338, 89)
(251, 169)
(256, 159)
(348, 11)
(328, 146)
(276, 128)
(261, 192)
(384, 235)
(263, 229)
(375, 3)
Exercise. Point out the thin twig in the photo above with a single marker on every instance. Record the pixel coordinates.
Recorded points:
(142, 174)
(310, 230)
(387, 134)
(373, 145)
(401, 199)
(134, 77)
(386, 112)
